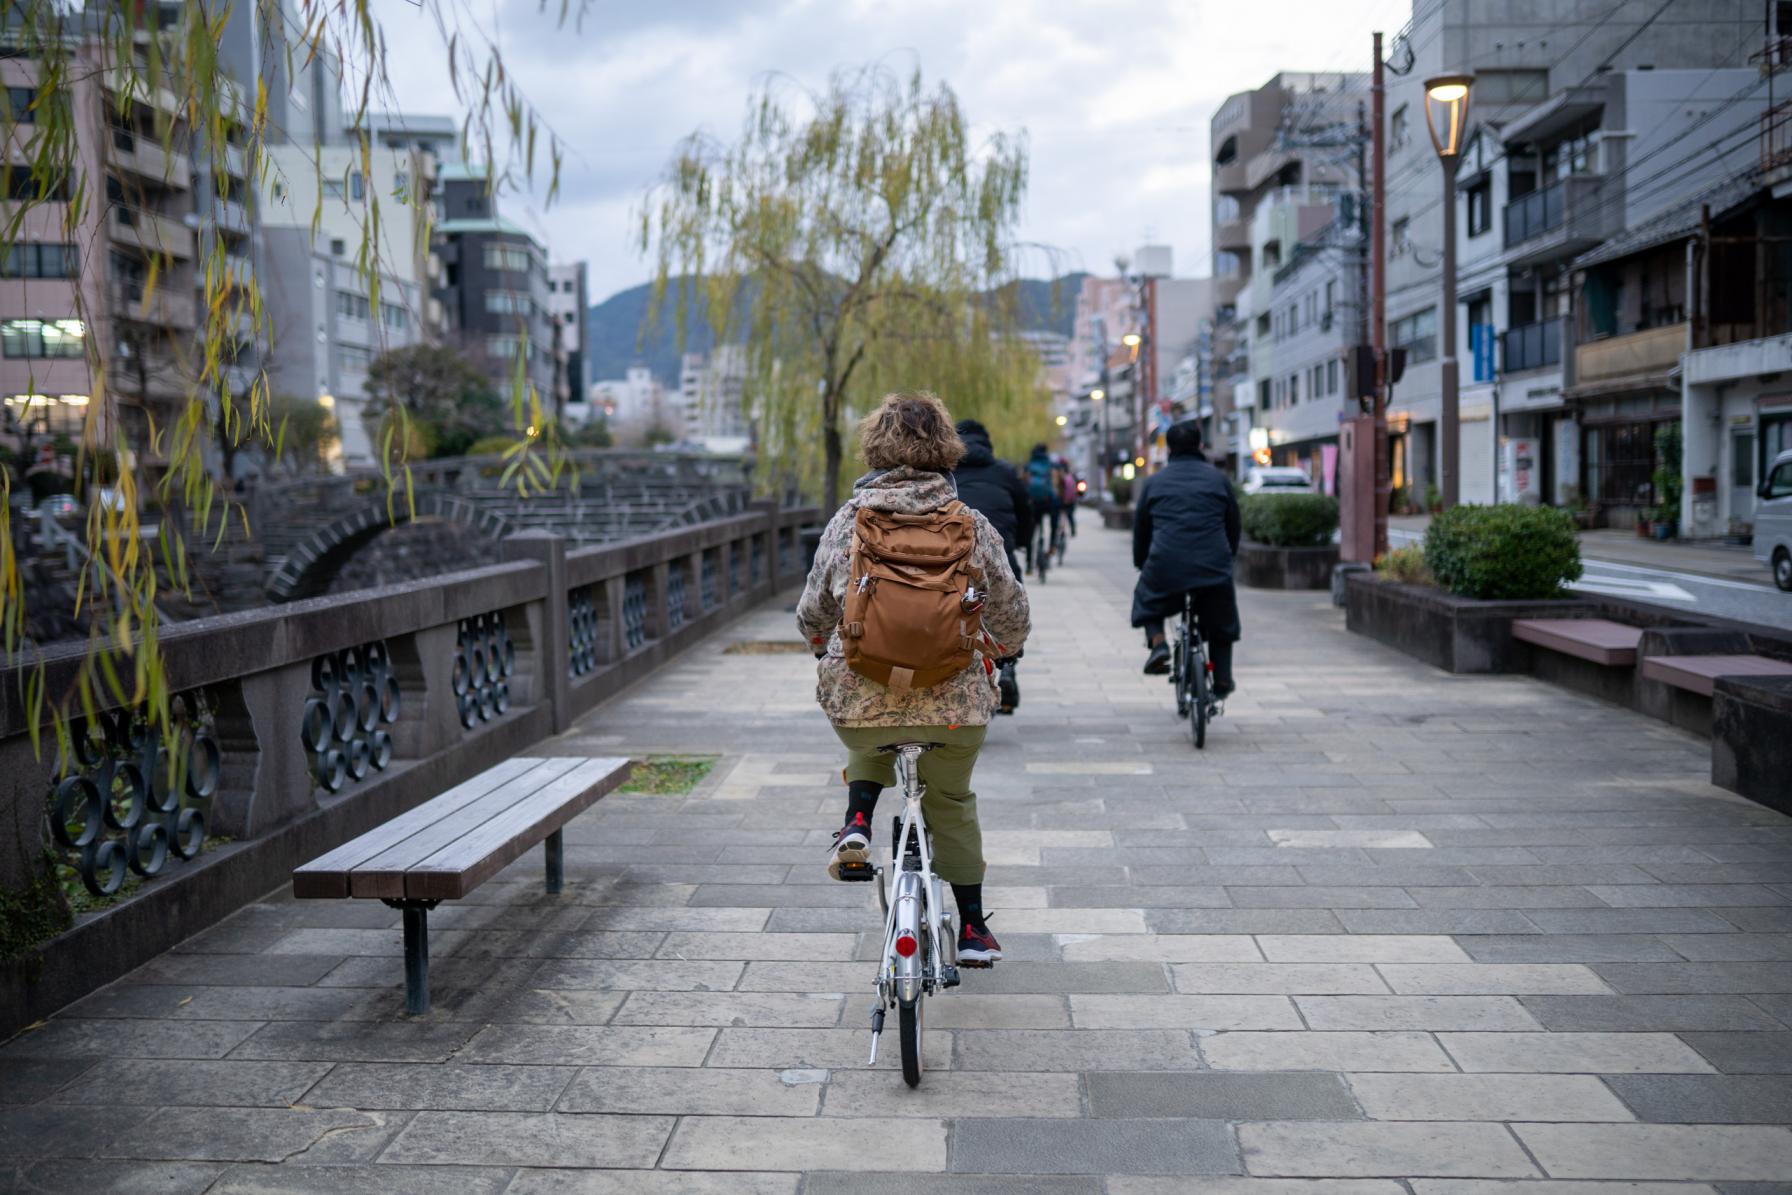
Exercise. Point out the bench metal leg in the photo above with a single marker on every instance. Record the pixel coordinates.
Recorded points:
(416, 959)
(556, 849)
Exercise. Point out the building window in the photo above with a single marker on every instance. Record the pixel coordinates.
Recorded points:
(332, 188)
(49, 414)
(17, 186)
(354, 356)
(502, 348)
(43, 338)
(1263, 324)
(1263, 396)
(508, 302)
(1480, 208)
(357, 186)
(395, 317)
(1331, 296)
(36, 259)
(1293, 388)
(514, 258)
(1417, 334)
(1401, 240)
(1331, 376)
(352, 305)
(338, 247)
(1399, 132)
(18, 108)
(1225, 264)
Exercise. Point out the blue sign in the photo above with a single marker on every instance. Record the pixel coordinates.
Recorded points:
(1480, 344)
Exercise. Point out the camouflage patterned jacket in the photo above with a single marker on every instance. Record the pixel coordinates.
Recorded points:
(848, 699)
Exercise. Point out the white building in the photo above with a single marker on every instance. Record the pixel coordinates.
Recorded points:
(567, 303)
(712, 392)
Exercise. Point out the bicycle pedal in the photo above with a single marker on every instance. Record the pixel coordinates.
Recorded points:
(857, 873)
(970, 965)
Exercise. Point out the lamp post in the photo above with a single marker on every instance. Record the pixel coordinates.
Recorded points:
(1133, 340)
(1099, 395)
(1446, 116)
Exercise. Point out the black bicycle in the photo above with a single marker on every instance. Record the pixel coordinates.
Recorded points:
(1039, 556)
(1192, 673)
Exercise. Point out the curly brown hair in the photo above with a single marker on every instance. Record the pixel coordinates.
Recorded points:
(912, 428)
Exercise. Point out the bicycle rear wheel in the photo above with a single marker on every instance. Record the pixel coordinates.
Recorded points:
(910, 1022)
(1042, 556)
(1198, 695)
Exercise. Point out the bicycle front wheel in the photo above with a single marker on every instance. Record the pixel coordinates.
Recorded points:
(910, 1021)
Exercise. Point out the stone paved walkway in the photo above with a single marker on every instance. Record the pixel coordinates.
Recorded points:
(1418, 932)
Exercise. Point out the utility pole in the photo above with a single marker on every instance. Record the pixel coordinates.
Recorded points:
(1378, 300)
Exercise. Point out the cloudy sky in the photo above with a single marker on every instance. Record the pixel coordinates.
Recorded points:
(1114, 95)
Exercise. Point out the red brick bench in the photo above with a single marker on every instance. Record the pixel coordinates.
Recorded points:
(1699, 674)
(1599, 640)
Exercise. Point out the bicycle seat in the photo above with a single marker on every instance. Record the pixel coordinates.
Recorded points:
(898, 748)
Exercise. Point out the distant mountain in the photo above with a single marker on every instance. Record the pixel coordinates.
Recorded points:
(613, 327)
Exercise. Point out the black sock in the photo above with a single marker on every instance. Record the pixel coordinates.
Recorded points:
(970, 903)
(861, 797)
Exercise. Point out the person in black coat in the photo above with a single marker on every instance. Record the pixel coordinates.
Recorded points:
(1185, 530)
(993, 489)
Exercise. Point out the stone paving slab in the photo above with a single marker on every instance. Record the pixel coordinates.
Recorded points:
(1392, 932)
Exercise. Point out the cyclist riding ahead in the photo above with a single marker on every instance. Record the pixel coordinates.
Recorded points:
(891, 597)
(1043, 485)
(994, 490)
(1185, 533)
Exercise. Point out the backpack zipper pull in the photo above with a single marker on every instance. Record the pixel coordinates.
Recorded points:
(864, 582)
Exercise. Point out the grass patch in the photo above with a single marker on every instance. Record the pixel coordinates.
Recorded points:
(668, 775)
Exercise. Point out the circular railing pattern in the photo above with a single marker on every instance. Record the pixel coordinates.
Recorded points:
(710, 581)
(484, 660)
(128, 803)
(355, 697)
(581, 621)
(634, 612)
(675, 596)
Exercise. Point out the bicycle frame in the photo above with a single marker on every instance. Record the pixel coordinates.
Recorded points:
(913, 904)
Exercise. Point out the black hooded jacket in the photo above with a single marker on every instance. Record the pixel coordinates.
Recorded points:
(994, 490)
(1185, 531)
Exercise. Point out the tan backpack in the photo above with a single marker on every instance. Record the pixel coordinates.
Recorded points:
(905, 625)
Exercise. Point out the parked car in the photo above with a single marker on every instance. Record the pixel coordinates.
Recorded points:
(1278, 479)
(1773, 520)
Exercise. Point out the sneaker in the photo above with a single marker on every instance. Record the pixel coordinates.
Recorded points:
(852, 848)
(1158, 662)
(977, 947)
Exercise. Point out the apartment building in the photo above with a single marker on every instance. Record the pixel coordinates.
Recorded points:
(1288, 145)
(1581, 106)
(567, 304)
(712, 395)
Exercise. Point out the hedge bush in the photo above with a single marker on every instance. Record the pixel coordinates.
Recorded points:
(1289, 520)
(1503, 553)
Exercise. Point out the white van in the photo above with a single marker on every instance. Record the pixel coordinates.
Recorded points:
(1773, 520)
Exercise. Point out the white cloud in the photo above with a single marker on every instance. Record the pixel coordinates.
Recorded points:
(1116, 95)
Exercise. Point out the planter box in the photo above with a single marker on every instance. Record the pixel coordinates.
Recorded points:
(1751, 738)
(1445, 631)
(1262, 566)
(1116, 517)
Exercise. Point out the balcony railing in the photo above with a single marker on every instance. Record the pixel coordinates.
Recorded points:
(1535, 214)
(1651, 351)
(1532, 346)
(1776, 136)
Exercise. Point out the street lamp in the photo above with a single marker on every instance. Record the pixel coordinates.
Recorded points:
(1446, 116)
(1130, 340)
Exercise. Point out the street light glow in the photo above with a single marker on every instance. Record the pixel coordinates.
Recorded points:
(1130, 340)
(1063, 419)
(1097, 394)
(1446, 112)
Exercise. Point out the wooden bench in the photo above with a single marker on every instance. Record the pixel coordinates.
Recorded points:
(1599, 640)
(446, 847)
(1699, 674)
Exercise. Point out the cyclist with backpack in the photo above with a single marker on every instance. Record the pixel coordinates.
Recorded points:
(1185, 532)
(908, 590)
(1044, 484)
(994, 490)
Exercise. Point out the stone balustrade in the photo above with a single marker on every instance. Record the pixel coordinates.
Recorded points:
(318, 719)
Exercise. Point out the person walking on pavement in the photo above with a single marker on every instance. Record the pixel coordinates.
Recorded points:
(902, 566)
(1185, 532)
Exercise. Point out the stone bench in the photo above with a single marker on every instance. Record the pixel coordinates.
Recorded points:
(1699, 674)
(1598, 640)
(448, 846)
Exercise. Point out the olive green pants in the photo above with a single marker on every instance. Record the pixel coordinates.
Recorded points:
(949, 805)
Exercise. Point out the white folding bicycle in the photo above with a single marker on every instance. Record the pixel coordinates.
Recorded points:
(920, 940)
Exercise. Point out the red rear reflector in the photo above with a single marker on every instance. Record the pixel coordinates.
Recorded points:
(906, 946)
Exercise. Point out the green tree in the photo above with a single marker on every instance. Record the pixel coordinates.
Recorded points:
(867, 227)
(305, 431)
(439, 389)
